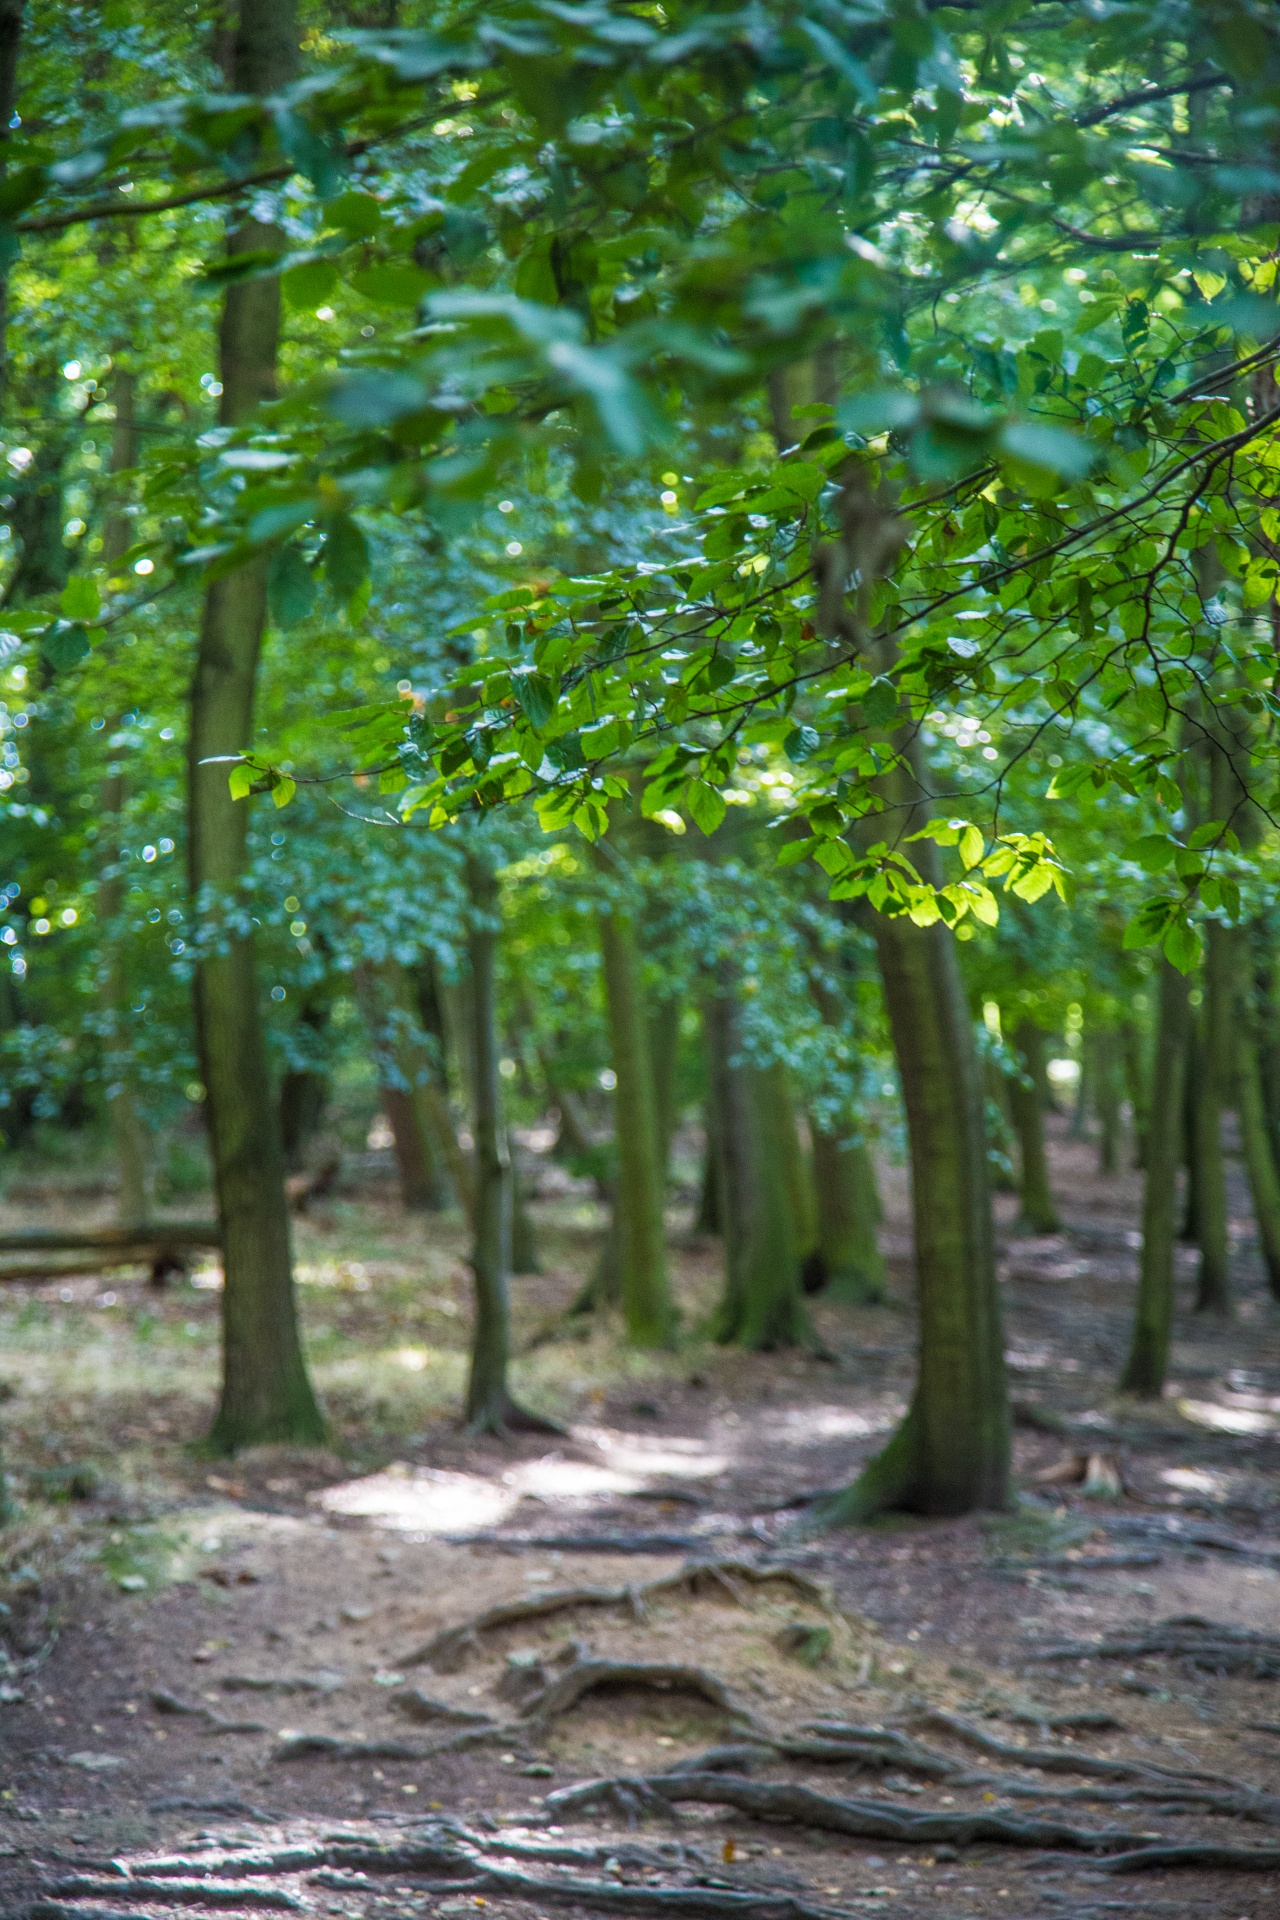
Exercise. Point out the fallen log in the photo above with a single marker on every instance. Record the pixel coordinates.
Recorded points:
(158, 1244)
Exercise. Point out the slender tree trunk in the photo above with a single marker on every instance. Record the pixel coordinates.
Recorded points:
(128, 1130)
(1213, 1284)
(762, 1307)
(1107, 1098)
(404, 1073)
(844, 1180)
(1189, 1232)
(1086, 1098)
(1136, 1085)
(1037, 1211)
(266, 1394)
(1148, 1359)
(844, 1177)
(1000, 1141)
(951, 1453)
(664, 1048)
(11, 12)
(647, 1307)
(1255, 1139)
(490, 1407)
(797, 1172)
(304, 1091)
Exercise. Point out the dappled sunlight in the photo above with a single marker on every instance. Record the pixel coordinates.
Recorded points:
(1207, 1413)
(421, 1500)
(799, 1425)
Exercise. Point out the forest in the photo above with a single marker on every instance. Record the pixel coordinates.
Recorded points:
(639, 958)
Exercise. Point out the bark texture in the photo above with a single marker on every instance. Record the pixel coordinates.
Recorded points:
(1148, 1359)
(266, 1394)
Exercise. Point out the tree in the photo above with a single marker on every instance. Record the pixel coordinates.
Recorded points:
(1144, 1371)
(266, 1394)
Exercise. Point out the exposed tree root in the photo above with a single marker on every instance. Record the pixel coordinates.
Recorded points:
(586, 1676)
(328, 1746)
(1194, 1853)
(865, 1819)
(463, 1862)
(506, 1416)
(178, 1893)
(580, 1542)
(170, 1703)
(448, 1649)
(1067, 1759)
(416, 1705)
(1207, 1644)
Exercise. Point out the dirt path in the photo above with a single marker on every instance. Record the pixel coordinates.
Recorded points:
(175, 1632)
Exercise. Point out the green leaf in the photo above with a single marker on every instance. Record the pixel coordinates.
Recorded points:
(283, 790)
(346, 556)
(537, 694)
(65, 646)
(355, 213)
(1182, 946)
(240, 781)
(1051, 448)
(971, 846)
(880, 702)
(392, 285)
(705, 804)
(801, 744)
(309, 283)
(290, 588)
(80, 599)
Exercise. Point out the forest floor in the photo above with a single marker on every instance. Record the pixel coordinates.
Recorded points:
(228, 1687)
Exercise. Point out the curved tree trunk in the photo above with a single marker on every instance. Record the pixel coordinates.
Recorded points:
(647, 1307)
(1148, 1359)
(266, 1394)
(1037, 1212)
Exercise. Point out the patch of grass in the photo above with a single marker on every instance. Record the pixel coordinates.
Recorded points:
(1031, 1530)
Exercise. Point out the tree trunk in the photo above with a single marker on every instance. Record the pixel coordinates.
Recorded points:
(848, 1261)
(1189, 1232)
(11, 12)
(664, 1049)
(304, 1090)
(1255, 1139)
(951, 1453)
(1037, 1213)
(1149, 1347)
(844, 1178)
(1213, 1284)
(1106, 1082)
(1136, 1085)
(128, 1129)
(762, 1307)
(490, 1407)
(647, 1307)
(266, 1394)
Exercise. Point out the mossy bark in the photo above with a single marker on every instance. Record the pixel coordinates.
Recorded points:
(266, 1394)
(952, 1452)
(1037, 1212)
(1213, 1282)
(647, 1307)
(1148, 1359)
